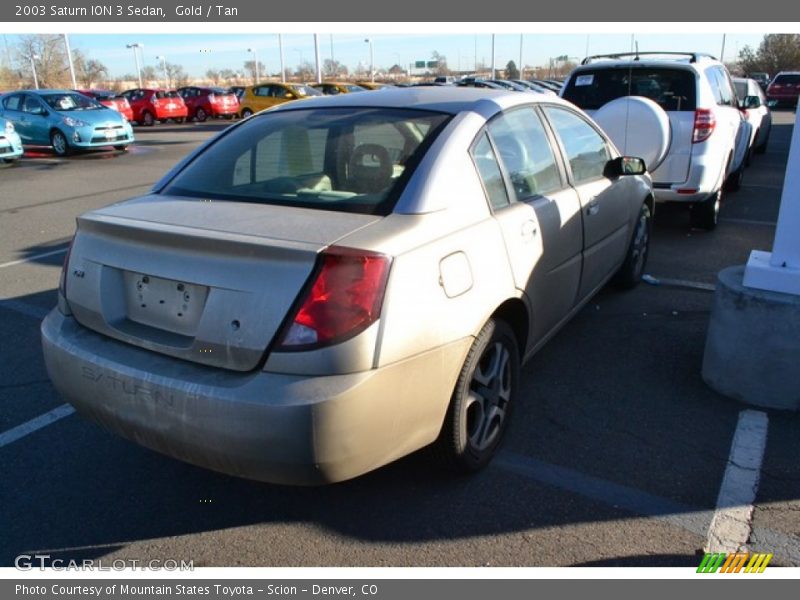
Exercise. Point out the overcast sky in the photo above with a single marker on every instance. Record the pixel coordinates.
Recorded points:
(199, 52)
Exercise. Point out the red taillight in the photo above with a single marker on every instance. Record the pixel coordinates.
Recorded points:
(344, 299)
(62, 282)
(704, 124)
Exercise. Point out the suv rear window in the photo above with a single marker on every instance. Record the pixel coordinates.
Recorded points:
(671, 89)
(345, 159)
(787, 79)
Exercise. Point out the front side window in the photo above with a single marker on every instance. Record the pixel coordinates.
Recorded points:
(346, 159)
(586, 150)
(525, 151)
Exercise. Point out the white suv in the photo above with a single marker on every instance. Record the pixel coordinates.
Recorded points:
(709, 138)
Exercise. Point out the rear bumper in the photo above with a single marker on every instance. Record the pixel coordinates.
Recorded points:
(265, 426)
(706, 174)
(176, 113)
(222, 111)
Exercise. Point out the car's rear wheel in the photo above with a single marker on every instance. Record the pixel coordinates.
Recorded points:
(148, 120)
(482, 400)
(705, 214)
(60, 143)
(200, 115)
(246, 112)
(734, 181)
(632, 269)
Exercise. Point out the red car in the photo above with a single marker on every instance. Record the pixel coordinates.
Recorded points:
(784, 89)
(205, 102)
(151, 105)
(111, 100)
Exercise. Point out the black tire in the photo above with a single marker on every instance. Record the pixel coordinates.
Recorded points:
(10, 161)
(179, 120)
(632, 269)
(121, 148)
(734, 181)
(200, 115)
(762, 148)
(246, 112)
(60, 143)
(229, 117)
(705, 214)
(481, 404)
(148, 120)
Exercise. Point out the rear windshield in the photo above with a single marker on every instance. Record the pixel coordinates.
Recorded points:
(787, 79)
(218, 91)
(345, 159)
(671, 89)
(305, 90)
(170, 94)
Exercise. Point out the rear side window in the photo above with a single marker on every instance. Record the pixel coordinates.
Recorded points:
(525, 150)
(787, 80)
(586, 150)
(671, 89)
(346, 159)
(12, 102)
(489, 171)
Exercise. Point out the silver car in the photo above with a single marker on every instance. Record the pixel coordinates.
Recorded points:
(335, 283)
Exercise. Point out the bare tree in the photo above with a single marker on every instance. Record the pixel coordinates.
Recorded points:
(305, 71)
(441, 63)
(214, 76)
(250, 69)
(333, 69)
(48, 53)
(88, 72)
(148, 75)
(776, 52)
(176, 75)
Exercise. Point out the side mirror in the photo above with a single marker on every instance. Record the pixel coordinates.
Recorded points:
(625, 165)
(752, 102)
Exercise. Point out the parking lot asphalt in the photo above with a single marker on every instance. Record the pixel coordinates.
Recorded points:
(615, 454)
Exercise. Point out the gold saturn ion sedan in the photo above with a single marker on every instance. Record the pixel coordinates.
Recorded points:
(333, 284)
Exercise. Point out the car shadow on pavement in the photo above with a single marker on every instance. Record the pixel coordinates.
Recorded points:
(600, 399)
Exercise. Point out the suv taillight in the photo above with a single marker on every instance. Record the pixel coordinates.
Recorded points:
(704, 124)
(344, 298)
(62, 281)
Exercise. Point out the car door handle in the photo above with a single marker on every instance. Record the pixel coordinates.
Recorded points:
(593, 208)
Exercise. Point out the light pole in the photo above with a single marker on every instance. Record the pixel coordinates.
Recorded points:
(280, 49)
(255, 57)
(494, 58)
(316, 56)
(69, 60)
(371, 60)
(163, 60)
(136, 46)
(34, 58)
(521, 69)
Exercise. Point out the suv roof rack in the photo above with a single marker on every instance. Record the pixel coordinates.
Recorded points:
(693, 56)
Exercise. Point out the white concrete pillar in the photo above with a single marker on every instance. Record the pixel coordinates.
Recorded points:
(779, 270)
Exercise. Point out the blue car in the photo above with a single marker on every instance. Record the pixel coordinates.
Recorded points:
(10, 144)
(65, 120)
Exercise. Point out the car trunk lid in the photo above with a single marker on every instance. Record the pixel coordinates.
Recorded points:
(209, 282)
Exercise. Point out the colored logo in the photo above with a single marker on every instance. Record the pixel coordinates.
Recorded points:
(734, 563)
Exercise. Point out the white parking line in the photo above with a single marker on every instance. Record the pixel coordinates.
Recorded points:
(48, 418)
(732, 522)
(32, 258)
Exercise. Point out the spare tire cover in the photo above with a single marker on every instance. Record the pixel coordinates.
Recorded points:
(638, 127)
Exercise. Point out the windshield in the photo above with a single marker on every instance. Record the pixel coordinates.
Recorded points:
(671, 89)
(306, 90)
(787, 80)
(69, 101)
(345, 159)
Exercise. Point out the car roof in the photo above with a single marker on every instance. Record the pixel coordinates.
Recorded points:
(446, 99)
(42, 92)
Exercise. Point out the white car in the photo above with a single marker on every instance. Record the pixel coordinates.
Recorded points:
(708, 140)
(753, 104)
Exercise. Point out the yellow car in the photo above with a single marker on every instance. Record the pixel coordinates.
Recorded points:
(371, 85)
(332, 88)
(266, 95)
